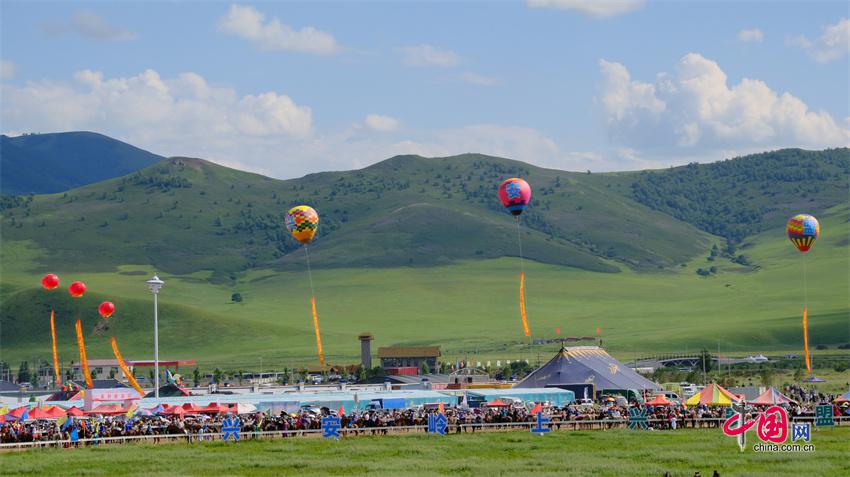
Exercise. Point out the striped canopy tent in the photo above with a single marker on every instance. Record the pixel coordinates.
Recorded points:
(772, 397)
(659, 400)
(843, 398)
(712, 395)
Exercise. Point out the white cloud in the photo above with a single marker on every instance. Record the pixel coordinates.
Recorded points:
(152, 110)
(248, 23)
(7, 69)
(595, 8)
(381, 123)
(751, 36)
(91, 25)
(833, 44)
(427, 55)
(479, 80)
(694, 111)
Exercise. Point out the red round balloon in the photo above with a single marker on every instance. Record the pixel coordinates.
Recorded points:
(514, 194)
(50, 281)
(106, 309)
(77, 289)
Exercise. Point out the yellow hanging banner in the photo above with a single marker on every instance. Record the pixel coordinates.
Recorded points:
(55, 354)
(318, 335)
(127, 374)
(84, 363)
(522, 303)
(806, 340)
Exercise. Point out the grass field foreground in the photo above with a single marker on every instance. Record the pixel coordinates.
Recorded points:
(584, 453)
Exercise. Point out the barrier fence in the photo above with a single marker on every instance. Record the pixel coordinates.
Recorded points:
(578, 425)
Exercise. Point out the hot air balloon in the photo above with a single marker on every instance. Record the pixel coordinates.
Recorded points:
(77, 289)
(106, 309)
(50, 281)
(302, 222)
(515, 194)
(803, 230)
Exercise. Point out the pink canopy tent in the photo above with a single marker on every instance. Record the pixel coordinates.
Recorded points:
(772, 397)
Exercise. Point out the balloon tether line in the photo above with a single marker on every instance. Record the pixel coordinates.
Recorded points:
(805, 318)
(313, 309)
(522, 314)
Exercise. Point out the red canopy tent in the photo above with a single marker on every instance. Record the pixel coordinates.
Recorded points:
(54, 412)
(75, 411)
(108, 410)
(17, 412)
(37, 413)
(191, 408)
(174, 411)
(659, 400)
(498, 403)
(215, 408)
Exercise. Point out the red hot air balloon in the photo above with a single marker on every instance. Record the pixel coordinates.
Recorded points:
(77, 289)
(106, 309)
(515, 194)
(50, 281)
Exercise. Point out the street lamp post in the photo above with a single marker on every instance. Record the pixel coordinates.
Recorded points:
(154, 284)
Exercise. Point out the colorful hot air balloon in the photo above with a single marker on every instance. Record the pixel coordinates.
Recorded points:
(515, 194)
(50, 281)
(302, 222)
(77, 289)
(803, 230)
(106, 309)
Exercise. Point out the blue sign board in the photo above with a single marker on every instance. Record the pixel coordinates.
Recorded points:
(231, 427)
(538, 428)
(330, 427)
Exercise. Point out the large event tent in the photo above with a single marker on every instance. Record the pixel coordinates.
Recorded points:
(712, 395)
(586, 365)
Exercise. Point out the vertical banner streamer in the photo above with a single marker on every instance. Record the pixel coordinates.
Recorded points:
(84, 362)
(522, 304)
(806, 340)
(127, 373)
(55, 354)
(318, 335)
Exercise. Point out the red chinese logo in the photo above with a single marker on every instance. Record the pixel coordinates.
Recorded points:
(771, 425)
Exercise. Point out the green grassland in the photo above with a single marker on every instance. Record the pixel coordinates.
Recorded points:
(465, 307)
(583, 453)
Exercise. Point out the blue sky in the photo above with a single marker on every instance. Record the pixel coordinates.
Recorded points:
(290, 88)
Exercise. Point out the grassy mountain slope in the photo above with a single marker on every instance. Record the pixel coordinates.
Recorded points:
(737, 198)
(184, 215)
(47, 163)
(418, 250)
(465, 307)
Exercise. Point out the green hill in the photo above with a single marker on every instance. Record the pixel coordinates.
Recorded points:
(418, 250)
(47, 163)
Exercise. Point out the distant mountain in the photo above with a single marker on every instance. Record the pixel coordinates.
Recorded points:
(56, 162)
(184, 215)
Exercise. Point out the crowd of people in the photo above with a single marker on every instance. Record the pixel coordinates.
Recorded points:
(201, 427)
